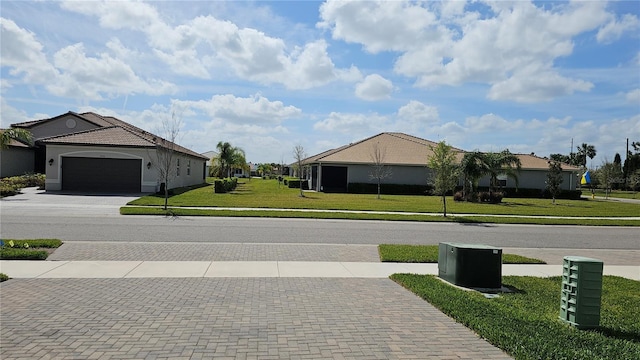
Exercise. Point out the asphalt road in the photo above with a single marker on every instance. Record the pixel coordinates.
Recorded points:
(90, 226)
(37, 214)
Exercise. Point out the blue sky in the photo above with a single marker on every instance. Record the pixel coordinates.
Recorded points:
(267, 76)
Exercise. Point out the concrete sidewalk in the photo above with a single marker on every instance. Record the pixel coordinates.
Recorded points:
(257, 269)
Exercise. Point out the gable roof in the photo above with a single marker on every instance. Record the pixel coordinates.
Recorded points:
(397, 149)
(403, 149)
(111, 131)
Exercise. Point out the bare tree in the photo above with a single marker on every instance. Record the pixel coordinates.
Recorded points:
(379, 170)
(299, 155)
(167, 164)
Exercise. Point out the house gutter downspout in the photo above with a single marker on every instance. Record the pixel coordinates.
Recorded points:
(319, 175)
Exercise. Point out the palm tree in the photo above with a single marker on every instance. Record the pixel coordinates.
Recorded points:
(21, 135)
(472, 170)
(228, 158)
(502, 163)
(585, 150)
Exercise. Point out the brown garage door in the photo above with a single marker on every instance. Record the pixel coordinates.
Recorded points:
(101, 175)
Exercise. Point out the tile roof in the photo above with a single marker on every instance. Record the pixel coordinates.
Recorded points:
(111, 132)
(397, 148)
(403, 149)
(107, 136)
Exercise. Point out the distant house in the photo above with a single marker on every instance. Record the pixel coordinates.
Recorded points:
(89, 152)
(209, 155)
(407, 157)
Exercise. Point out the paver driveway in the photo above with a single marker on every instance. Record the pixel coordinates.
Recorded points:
(249, 318)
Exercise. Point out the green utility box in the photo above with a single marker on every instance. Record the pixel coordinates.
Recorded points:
(581, 291)
(470, 265)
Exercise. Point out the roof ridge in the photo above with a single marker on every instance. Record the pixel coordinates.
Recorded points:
(78, 133)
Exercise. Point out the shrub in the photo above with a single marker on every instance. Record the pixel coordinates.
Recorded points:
(12, 185)
(3, 277)
(492, 198)
(458, 196)
(221, 186)
(295, 184)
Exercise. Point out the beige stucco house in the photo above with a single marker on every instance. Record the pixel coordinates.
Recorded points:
(407, 157)
(94, 153)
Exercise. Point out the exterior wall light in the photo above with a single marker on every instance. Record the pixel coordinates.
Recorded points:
(149, 165)
(51, 162)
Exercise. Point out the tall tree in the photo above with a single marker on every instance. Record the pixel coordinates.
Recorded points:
(379, 169)
(502, 163)
(299, 155)
(586, 151)
(631, 163)
(554, 179)
(607, 175)
(443, 163)
(21, 135)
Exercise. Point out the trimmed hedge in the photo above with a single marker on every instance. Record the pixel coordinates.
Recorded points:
(389, 189)
(221, 186)
(12, 185)
(540, 194)
(295, 184)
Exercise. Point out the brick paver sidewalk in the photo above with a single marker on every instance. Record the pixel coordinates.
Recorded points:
(200, 318)
(225, 318)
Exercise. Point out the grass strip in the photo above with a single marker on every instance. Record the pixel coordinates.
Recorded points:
(525, 323)
(35, 243)
(22, 254)
(29, 252)
(429, 254)
(176, 211)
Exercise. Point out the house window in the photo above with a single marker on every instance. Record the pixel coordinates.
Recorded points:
(178, 167)
(502, 183)
(188, 167)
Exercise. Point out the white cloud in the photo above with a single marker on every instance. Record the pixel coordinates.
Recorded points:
(257, 109)
(374, 87)
(86, 77)
(614, 29)
(633, 96)
(458, 47)
(21, 51)
(205, 46)
(530, 85)
(352, 124)
(418, 112)
(378, 25)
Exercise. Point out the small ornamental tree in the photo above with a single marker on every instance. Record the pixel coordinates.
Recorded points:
(445, 176)
(166, 161)
(379, 171)
(299, 155)
(554, 179)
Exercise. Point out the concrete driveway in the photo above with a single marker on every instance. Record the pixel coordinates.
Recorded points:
(32, 201)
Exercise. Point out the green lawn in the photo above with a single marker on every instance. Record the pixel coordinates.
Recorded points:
(258, 193)
(429, 254)
(616, 194)
(525, 323)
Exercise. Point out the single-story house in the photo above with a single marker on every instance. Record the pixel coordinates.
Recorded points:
(89, 152)
(407, 157)
(17, 159)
